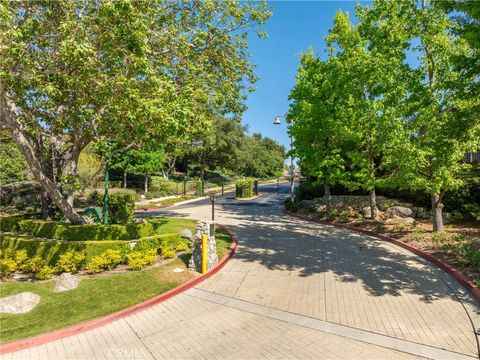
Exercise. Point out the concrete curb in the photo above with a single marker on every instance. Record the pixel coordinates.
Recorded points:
(92, 324)
(457, 275)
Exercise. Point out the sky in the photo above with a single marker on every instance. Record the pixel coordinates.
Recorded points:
(292, 29)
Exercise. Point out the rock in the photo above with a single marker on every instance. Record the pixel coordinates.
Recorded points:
(398, 211)
(400, 220)
(186, 234)
(139, 220)
(19, 304)
(142, 197)
(367, 213)
(421, 213)
(66, 282)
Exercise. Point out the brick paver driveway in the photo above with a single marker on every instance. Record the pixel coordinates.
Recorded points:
(294, 290)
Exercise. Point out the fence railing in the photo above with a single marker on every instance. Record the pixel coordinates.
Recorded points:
(473, 157)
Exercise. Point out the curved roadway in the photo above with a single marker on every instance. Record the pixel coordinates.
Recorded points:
(293, 290)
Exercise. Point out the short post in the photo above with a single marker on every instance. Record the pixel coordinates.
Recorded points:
(203, 187)
(222, 187)
(204, 253)
(184, 187)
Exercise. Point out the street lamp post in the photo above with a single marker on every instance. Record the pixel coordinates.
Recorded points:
(278, 121)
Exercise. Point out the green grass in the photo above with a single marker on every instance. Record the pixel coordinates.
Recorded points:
(93, 298)
(166, 202)
(97, 296)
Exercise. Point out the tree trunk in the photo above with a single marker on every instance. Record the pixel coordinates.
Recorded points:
(8, 117)
(373, 204)
(47, 209)
(170, 168)
(146, 183)
(202, 172)
(437, 217)
(328, 197)
(124, 179)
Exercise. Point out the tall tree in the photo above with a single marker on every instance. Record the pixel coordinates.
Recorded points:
(314, 118)
(75, 71)
(439, 120)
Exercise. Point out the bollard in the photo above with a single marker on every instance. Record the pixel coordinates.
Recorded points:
(204, 253)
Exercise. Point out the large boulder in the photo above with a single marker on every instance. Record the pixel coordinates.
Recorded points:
(19, 303)
(20, 192)
(400, 220)
(66, 282)
(398, 211)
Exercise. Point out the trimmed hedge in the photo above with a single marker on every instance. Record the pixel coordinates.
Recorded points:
(160, 242)
(244, 188)
(63, 231)
(50, 251)
(9, 223)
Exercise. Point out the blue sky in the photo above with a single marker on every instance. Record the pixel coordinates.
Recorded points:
(293, 27)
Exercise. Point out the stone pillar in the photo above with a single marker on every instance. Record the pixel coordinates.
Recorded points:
(195, 263)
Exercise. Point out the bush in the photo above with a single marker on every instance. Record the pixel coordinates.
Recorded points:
(95, 265)
(121, 207)
(7, 267)
(137, 260)
(168, 252)
(474, 210)
(46, 272)
(289, 205)
(163, 187)
(50, 251)
(310, 190)
(71, 262)
(9, 223)
(157, 242)
(112, 258)
(33, 265)
(244, 188)
(64, 231)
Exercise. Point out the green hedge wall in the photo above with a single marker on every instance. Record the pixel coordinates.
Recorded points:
(9, 223)
(244, 188)
(160, 241)
(51, 250)
(64, 231)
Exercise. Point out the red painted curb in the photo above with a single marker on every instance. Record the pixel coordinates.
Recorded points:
(457, 274)
(91, 324)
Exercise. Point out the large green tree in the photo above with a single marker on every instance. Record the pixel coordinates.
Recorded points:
(77, 71)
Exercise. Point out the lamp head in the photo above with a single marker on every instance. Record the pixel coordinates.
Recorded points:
(277, 120)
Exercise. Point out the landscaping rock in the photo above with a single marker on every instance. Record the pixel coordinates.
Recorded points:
(19, 303)
(186, 234)
(398, 211)
(139, 220)
(66, 282)
(421, 213)
(400, 220)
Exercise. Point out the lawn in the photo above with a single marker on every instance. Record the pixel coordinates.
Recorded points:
(165, 202)
(99, 295)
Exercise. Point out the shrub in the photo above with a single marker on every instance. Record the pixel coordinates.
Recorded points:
(439, 237)
(7, 267)
(50, 251)
(343, 217)
(63, 231)
(46, 272)
(244, 188)
(121, 207)
(474, 210)
(289, 205)
(33, 265)
(163, 187)
(112, 258)
(9, 223)
(71, 261)
(310, 190)
(95, 265)
(137, 260)
(168, 252)
(156, 242)
(20, 257)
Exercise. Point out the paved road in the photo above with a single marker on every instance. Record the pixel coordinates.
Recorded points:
(294, 290)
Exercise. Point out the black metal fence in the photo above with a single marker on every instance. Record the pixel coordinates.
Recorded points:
(473, 157)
